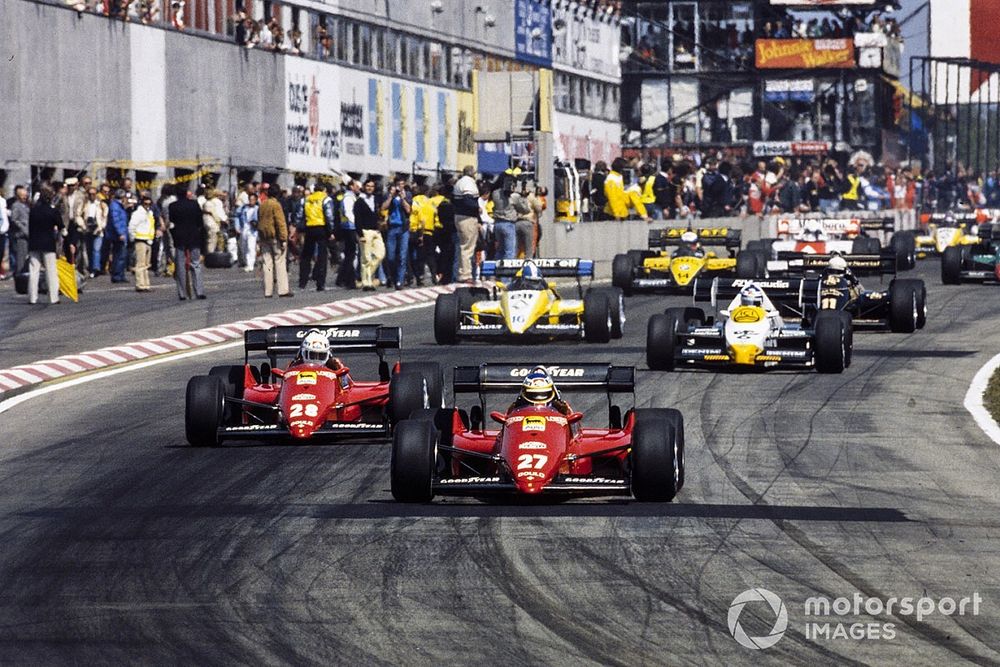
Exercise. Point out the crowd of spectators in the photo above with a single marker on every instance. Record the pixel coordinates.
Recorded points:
(682, 187)
(406, 233)
(729, 44)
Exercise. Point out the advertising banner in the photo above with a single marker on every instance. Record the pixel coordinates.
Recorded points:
(805, 53)
(789, 90)
(312, 116)
(785, 148)
(533, 32)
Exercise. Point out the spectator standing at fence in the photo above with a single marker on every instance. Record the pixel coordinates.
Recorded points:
(647, 183)
(597, 199)
(272, 231)
(716, 192)
(248, 217)
(397, 208)
(214, 215)
(445, 236)
(466, 203)
(44, 227)
(504, 216)
(347, 276)
(317, 232)
(4, 231)
(142, 232)
(850, 200)
(20, 211)
(188, 233)
(370, 243)
(528, 208)
(116, 236)
(95, 220)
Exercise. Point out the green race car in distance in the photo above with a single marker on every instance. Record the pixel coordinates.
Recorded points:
(973, 263)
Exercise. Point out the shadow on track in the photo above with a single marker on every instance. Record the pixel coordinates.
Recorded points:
(386, 509)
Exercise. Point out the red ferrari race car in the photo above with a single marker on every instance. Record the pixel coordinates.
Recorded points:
(540, 447)
(314, 398)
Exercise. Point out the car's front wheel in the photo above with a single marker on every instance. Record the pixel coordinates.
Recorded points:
(411, 466)
(203, 409)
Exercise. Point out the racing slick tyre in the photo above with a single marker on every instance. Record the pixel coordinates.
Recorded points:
(834, 340)
(748, 265)
(866, 245)
(951, 266)
(469, 295)
(621, 273)
(232, 379)
(408, 391)
(443, 420)
(431, 371)
(638, 257)
(203, 408)
(687, 315)
(446, 319)
(906, 303)
(597, 319)
(661, 340)
(218, 260)
(657, 457)
(904, 246)
(412, 463)
(616, 299)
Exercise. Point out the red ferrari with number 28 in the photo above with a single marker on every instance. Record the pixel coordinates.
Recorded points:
(314, 398)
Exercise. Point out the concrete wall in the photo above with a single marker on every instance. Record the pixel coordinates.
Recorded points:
(224, 102)
(602, 240)
(65, 86)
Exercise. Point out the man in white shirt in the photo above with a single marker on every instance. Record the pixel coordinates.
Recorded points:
(347, 233)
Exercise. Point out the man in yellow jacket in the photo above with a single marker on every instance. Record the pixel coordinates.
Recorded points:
(318, 214)
(619, 199)
(142, 230)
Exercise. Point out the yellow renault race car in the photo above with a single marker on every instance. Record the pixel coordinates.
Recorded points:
(948, 230)
(530, 307)
(678, 255)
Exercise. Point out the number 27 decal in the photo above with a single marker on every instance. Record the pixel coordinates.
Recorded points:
(529, 461)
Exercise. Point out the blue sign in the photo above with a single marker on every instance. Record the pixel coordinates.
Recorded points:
(533, 32)
(419, 114)
(442, 128)
(397, 121)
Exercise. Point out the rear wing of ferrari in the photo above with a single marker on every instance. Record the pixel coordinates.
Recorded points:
(784, 293)
(347, 337)
(800, 263)
(707, 236)
(568, 267)
(507, 378)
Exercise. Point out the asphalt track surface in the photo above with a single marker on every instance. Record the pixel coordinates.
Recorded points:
(121, 544)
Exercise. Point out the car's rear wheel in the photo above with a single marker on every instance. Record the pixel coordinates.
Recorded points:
(748, 265)
(413, 460)
(951, 266)
(408, 391)
(597, 320)
(657, 456)
(904, 246)
(905, 305)
(203, 409)
(446, 319)
(431, 372)
(621, 273)
(233, 380)
(616, 299)
(661, 341)
(833, 342)
(866, 245)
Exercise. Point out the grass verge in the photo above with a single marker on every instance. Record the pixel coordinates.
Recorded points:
(991, 397)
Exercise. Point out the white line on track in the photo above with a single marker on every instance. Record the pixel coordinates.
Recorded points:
(47, 389)
(974, 400)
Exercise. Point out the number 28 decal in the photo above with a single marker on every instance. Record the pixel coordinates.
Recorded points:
(532, 461)
(297, 409)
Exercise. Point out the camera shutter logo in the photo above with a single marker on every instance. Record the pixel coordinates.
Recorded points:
(780, 621)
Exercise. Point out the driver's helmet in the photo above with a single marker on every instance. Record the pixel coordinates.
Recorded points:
(529, 277)
(949, 219)
(315, 348)
(690, 239)
(751, 295)
(813, 230)
(538, 388)
(837, 265)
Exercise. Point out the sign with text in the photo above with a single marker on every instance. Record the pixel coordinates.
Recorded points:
(312, 116)
(805, 53)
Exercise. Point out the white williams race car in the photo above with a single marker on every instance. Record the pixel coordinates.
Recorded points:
(750, 332)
